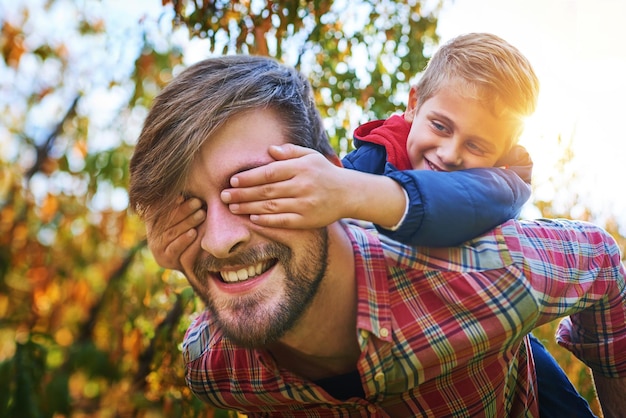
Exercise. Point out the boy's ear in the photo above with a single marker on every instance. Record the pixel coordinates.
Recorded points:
(411, 107)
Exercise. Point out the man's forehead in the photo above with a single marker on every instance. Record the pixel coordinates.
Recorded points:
(221, 178)
(241, 143)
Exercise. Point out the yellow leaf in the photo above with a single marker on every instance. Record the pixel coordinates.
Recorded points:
(64, 337)
(49, 208)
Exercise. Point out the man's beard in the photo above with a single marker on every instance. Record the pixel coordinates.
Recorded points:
(256, 324)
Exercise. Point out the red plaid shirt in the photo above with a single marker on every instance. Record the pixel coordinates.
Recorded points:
(442, 331)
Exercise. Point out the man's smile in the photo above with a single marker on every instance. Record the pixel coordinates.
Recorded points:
(245, 273)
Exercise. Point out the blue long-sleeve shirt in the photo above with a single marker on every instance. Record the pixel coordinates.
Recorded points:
(445, 208)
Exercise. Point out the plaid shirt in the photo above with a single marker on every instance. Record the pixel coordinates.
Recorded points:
(443, 331)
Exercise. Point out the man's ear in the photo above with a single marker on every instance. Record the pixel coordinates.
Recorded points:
(335, 160)
(412, 106)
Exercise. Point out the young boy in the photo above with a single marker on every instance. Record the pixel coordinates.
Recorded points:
(466, 113)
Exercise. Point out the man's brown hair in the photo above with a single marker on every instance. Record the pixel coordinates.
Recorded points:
(199, 101)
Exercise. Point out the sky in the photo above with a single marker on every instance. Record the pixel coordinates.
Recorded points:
(576, 47)
(578, 51)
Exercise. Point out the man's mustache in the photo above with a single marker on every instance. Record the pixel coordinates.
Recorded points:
(208, 263)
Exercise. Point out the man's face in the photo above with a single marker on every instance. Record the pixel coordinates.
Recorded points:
(452, 132)
(256, 281)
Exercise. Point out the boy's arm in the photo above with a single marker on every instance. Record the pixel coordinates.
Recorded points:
(441, 210)
(448, 208)
(303, 189)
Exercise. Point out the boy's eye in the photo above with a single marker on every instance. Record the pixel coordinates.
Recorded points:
(438, 126)
(476, 148)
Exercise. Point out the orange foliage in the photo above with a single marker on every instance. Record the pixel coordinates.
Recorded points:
(91, 326)
(49, 208)
(12, 44)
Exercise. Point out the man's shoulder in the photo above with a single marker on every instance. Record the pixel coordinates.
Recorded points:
(488, 251)
(198, 337)
(511, 242)
(205, 339)
(543, 238)
(554, 228)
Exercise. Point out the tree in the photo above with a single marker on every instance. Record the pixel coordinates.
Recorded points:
(359, 55)
(89, 324)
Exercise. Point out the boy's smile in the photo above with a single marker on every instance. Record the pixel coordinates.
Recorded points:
(451, 131)
(432, 166)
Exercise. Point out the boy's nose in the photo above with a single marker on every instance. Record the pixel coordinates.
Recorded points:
(450, 154)
(222, 232)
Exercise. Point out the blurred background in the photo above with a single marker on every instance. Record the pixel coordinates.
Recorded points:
(90, 326)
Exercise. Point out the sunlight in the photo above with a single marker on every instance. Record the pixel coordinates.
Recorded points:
(575, 49)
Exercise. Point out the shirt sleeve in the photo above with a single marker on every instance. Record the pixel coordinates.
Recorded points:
(448, 208)
(574, 268)
(368, 158)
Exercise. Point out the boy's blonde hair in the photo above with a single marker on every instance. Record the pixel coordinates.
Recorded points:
(485, 67)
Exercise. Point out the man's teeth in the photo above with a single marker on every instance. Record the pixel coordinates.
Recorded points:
(432, 166)
(244, 274)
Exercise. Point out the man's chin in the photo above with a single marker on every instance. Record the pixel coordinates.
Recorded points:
(253, 321)
(249, 335)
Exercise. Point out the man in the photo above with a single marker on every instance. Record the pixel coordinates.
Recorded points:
(340, 321)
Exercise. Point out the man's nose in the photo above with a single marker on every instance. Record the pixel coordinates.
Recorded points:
(222, 232)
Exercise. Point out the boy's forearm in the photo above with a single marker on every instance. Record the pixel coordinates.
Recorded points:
(375, 198)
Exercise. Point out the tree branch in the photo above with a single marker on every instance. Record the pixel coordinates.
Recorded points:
(43, 150)
(87, 327)
(165, 327)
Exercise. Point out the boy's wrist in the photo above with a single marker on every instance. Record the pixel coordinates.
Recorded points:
(348, 202)
(380, 200)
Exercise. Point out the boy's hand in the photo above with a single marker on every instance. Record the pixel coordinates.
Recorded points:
(180, 232)
(301, 189)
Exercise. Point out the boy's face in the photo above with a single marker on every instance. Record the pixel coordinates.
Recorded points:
(452, 132)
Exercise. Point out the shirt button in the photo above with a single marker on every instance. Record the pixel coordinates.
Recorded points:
(384, 332)
(379, 376)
